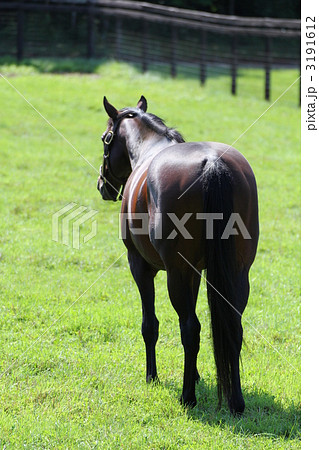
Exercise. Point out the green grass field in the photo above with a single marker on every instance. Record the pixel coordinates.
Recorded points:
(72, 356)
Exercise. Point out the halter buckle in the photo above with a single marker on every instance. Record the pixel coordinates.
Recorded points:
(108, 138)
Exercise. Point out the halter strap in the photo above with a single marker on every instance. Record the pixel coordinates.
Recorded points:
(107, 140)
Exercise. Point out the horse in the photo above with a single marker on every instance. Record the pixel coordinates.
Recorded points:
(199, 207)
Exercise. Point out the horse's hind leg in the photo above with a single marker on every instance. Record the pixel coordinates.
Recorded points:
(236, 402)
(144, 277)
(181, 292)
(196, 283)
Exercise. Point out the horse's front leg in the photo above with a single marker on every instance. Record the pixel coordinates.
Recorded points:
(144, 275)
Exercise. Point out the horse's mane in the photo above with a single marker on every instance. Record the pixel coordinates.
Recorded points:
(155, 123)
(158, 126)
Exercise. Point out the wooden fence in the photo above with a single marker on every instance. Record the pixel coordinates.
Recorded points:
(150, 35)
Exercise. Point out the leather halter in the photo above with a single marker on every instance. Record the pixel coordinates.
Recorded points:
(107, 139)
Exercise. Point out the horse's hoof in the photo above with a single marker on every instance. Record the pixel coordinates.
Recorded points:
(152, 379)
(189, 403)
(236, 406)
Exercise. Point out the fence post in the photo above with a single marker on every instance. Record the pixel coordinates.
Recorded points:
(203, 57)
(267, 67)
(20, 30)
(234, 64)
(145, 46)
(173, 50)
(90, 29)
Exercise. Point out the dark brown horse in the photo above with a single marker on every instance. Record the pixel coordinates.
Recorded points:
(186, 207)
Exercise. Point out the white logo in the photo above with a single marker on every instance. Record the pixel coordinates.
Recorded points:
(62, 219)
(142, 228)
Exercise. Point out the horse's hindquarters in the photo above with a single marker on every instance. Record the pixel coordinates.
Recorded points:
(178, 182)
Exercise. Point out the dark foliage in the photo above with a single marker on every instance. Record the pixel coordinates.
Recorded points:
(289, 9)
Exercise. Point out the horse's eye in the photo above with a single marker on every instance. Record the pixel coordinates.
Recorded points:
(130, 115)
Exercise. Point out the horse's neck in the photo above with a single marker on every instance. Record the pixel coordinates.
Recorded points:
(141, 150)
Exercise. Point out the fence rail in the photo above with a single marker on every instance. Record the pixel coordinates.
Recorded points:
(148, 34)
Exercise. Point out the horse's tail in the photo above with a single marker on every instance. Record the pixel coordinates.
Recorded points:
(220, 275)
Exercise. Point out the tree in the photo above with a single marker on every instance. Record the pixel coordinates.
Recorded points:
(289, 9)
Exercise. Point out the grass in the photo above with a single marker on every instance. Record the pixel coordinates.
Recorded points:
(72, 366)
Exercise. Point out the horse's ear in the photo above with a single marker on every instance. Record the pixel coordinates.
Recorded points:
(142, 103)
(110, 110)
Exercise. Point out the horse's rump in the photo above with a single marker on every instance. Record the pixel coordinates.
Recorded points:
(178, 180)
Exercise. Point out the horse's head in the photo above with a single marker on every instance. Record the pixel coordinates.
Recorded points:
(116, 166)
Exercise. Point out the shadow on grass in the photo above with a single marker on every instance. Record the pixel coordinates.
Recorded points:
(262, 415)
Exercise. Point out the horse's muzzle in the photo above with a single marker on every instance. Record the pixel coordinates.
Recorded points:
(104, 191)
(102, 187)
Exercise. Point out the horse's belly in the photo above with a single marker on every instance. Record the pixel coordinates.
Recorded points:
(135, 220)
(147, 251)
